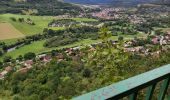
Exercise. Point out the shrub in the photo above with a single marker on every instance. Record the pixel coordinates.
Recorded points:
(29, 56)
(13, 19)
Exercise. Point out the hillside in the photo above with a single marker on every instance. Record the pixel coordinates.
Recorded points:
(62, 49)
(117, 2)
(38, 7)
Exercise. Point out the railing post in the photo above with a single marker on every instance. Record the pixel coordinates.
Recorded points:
(163, 89)
(150, 91)
(133, 96)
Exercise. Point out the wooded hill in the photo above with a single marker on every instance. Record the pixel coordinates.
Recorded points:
(38, 7)
(127, 3)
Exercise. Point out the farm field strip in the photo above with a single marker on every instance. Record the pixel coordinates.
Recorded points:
(41, 22)
(8, 31)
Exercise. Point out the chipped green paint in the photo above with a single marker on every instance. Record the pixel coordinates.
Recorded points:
(132, 85)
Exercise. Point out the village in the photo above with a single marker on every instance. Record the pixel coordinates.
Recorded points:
(135, 15)
(132, 46)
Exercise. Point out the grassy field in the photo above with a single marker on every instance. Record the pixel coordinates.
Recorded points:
(56, 28)
(9, 41)
(163, 29)
(84, 19)
(41, 22)
(37, 47)
(7, 31)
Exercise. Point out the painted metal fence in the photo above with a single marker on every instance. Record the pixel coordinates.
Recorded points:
(130, 87)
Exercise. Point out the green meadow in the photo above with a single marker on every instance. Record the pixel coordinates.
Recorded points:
(41, 22)
(37, 47)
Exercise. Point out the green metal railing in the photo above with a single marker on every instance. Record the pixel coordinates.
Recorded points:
(131, 87)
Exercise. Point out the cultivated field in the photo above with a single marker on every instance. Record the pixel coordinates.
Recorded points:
(8, 31)
(41, 22)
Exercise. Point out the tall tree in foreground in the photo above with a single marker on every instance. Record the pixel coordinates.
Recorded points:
(108, 57)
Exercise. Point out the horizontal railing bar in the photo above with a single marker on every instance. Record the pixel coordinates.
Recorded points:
(126, 87)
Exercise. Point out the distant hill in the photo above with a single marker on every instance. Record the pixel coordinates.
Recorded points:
(40, 7)
(89, 1)
(117, 2)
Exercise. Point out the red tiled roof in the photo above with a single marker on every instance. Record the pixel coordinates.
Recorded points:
(155, 40)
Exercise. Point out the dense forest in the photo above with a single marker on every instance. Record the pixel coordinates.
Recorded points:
(38, 7)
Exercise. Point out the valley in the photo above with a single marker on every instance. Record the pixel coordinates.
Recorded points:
(60, 49)
(40, 24)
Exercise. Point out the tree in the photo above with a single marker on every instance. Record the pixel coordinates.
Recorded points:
(15, 89)
(16, 98)
(7, 59)
(29, 56)
(1, 53)
(28, 19)
(34, 97)
(159, 32)
(43, 94)
(106, 59)
(20, 58)
(21, 19)
(1, 64)
(86, 73)
(13, 19)
(4, 47)
(53, 53)
(120, 38)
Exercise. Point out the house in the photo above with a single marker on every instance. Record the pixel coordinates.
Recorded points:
(8, 69)
(23, 70)
(134, 49)
(69, 51)
(2, 74)
(128, 44)
(155, 40)
(47, 58)
(41, 56)
(76, 48)
(92, 49)
(28, 63)
(168, 33)
(114, 42)
(60, 57)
